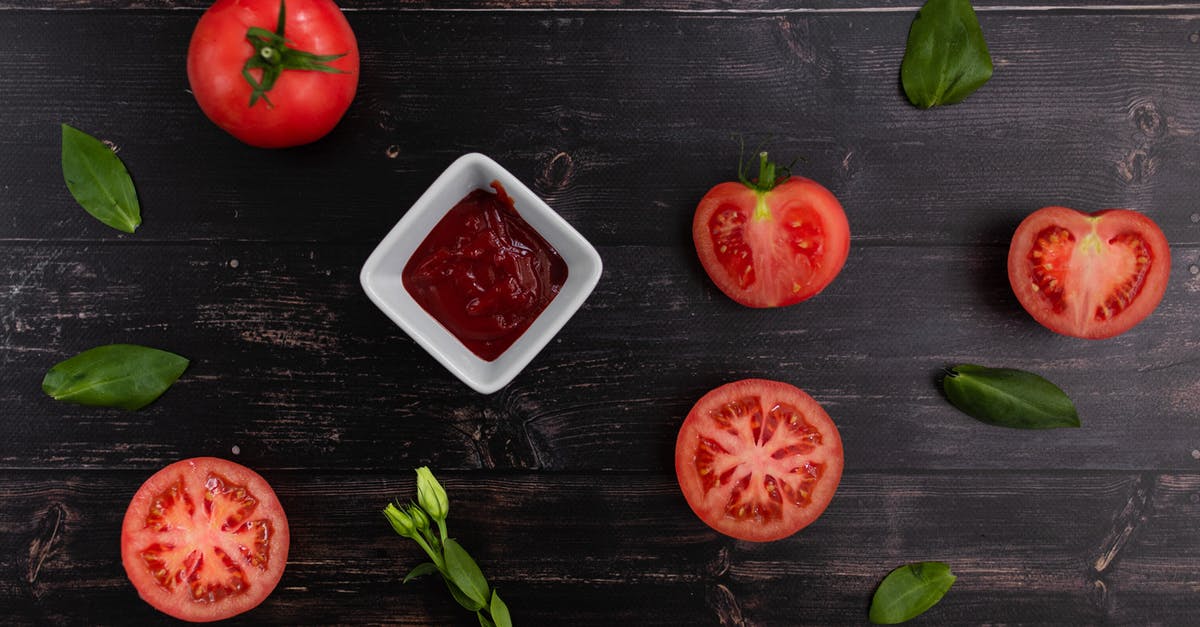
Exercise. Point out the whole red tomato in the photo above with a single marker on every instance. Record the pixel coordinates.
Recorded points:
(773, 241)
(1091, 276)
(273, 74)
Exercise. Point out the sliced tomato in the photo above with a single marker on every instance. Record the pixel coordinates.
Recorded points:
(1091, 276)
(758, 460)
(771, 242)
(204, 539)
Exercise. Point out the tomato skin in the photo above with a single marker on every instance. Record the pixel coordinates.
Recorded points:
(1091, 276)
(758, 460)
(307, 104)
(771, 248)
(178, 526)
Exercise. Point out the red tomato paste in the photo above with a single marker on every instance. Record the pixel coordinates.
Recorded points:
(484, 273)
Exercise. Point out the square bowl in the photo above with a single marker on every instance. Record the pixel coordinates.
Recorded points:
(381, 275)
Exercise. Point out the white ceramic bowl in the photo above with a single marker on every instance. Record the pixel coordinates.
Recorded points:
(381, 274)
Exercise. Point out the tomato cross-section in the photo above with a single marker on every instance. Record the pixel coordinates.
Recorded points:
(771, 242)
(1089, 276)
(758, 460)
(204, 539)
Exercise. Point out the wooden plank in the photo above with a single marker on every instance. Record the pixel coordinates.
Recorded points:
(666, 6)
(1027, 547)
(622, 123)
(293, 365)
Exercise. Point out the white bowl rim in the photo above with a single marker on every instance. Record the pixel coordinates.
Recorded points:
(583, 262)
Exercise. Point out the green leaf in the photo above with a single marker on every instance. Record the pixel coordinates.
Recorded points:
(910, 590)
(947, 58)
(99, 181)
(117, 375)
(428, 568)
(484, 621)
(462, 597)
(465, 573)
(499, 611)
(1007, 397)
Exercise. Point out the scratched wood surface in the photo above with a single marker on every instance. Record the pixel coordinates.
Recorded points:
(620, 114)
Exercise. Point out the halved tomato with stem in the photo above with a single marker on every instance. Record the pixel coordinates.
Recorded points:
(1090, 276)
(771, 241)
(758, 460)
(204, 539)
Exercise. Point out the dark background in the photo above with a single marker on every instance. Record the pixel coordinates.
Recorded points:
(620, 114)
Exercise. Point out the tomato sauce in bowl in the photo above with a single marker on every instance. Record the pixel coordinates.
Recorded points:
(484, 273)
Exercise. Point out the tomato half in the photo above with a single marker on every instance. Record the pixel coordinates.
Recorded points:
(758, 460)
(770, 244)
(302, 81)
(204, 539)
(1092, 276)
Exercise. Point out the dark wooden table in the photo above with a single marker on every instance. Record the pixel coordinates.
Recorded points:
(620, 114)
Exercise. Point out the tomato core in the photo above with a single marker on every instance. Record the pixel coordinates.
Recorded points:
(777, 466)
(484, 273)
(744, 243)
(211, 570)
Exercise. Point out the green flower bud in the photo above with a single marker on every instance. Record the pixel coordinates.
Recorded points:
(401, 522)
(420, 520)
(431, 496)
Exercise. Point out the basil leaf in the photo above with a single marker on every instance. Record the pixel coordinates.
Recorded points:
(499, 611)
(947, 58)
(99, 181)
(116, 375)
(428, 568)
(484, 621)
(465, 573)
(1009, 398)
(909, 591)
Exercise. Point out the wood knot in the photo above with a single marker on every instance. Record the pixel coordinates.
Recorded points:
(556, 174)
(387, 120)
(1147, 118)
(798, 38)
(565, 122)
(718, 566)
(47, 537)
(1137, 167)
(724, 605)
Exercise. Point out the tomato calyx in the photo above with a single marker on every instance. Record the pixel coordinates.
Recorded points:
(272, 56)
(770, 174)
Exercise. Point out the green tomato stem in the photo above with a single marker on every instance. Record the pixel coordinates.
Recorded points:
(769, 175)
(272, 56)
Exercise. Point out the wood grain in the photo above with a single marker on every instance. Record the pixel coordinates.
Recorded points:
(665, 6)
(1024, 546)
(623, 122)
(620, 113)
(295, 366)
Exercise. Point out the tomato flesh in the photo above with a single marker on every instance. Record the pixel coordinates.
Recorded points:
(1090, 276)
(204, 539)
(771, 248)
(758, 460)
